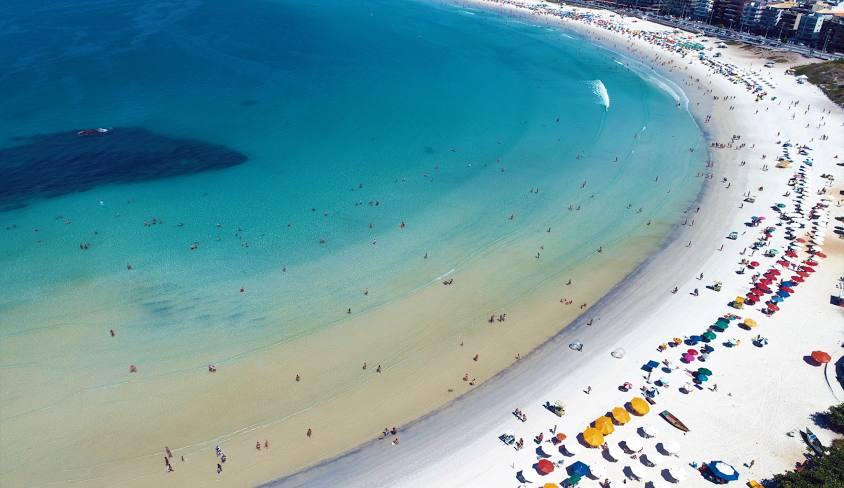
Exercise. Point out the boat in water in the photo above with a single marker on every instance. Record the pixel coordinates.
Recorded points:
(671, 419)
(99, 131)
(812, 441)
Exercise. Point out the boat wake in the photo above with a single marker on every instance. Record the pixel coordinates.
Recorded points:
(600, 91)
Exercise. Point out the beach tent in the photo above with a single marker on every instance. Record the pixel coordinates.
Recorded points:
(544, 466)
(578, 469)
(723, 471)
(821, 357)
(620, 415)
(593, 437)
(639, 406)
(604, 425)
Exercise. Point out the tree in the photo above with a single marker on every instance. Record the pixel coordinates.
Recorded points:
(821, 472)
(835, 416)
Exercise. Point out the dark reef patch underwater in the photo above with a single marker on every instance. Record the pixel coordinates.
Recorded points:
(50, 165)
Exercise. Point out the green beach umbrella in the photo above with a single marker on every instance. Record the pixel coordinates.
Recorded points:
(704, 371)
(723, 320)
(708, 335)
(720, 327)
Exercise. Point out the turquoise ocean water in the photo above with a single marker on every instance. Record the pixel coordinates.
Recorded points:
(444, 116)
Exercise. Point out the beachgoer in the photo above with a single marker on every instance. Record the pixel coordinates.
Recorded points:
(309, 432)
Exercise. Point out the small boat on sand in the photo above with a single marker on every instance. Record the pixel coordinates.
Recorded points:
(812, 441)
(671, 419)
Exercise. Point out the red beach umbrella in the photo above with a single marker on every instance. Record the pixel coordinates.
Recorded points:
(821, 357)
(544, 466)
(797, 279)
(773, 307)
(787, 289)
(783, 263)
(800, 239)
(811, 263)
(693, 352)
(807, 269)
(791, 254)
(820, 255)
(802, 274)
(774, 271)
(754, 264)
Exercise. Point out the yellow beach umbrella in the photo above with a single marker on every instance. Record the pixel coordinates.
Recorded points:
(604, 424)
(750, 323)
(593, 437)
(620, 415)
(639, 406)
(550, 485)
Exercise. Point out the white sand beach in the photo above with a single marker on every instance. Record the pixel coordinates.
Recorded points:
(764, 395)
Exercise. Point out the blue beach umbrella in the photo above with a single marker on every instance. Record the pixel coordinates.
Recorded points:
(723, 470)
(783, 294)
(578, 469)
(789, 284)
(777, 299)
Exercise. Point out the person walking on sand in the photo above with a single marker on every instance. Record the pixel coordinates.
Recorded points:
(588, 389)
(309, 433)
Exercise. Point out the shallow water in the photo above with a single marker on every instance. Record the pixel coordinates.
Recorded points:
(354, 117)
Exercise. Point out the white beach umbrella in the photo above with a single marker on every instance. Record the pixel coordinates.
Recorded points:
(670, 447)
(649, 430)
(597, 470)
(677, 473)
(652, 458)
(618, 353)
(612, 452)
(633, 444)
(635, 470)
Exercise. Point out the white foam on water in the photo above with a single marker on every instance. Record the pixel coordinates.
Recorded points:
(600, 90)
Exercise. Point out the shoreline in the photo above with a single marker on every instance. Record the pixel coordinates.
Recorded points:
(353, 465)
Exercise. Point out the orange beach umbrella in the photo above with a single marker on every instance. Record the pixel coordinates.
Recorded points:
(639, 406)
(620, 415)
(593, 437)
(821, 357)
(604, 425)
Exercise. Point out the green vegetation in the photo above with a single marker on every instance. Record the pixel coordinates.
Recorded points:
(824, 472)
(828, 76)
(819, 472)
(835, 417)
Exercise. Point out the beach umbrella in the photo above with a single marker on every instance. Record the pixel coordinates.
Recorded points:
(791, 254)
(578, 469)
(652, 458)
(788, 283)
(639, 406)
(694, 339)
(702, 378)
(807, 269)
(773, 307)
(704, 371)
(593, 437)
(800, 240)
(604, 425)
(688, 358)
(618, 353)
(544, 466)
(676, 473)
(620, 415)
(723, 470)
(633, 444)
(560, 436)
(708, 336)
(650, 430)
(750, 323)
(777, 299)
(797, 279)
(820, 255)
(670, 447)
(550, 485)
(720, 327)
(821, 357)
(754, 264)
(787, 289)
(596, 471)
(783, 263)
(783, 293)
(811, 263)
(802, 274)
(774, 271)
(693, 352)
